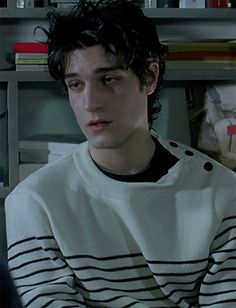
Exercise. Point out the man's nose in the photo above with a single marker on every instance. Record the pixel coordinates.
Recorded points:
(93, 98)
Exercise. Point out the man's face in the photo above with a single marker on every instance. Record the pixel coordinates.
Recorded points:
(107, 100)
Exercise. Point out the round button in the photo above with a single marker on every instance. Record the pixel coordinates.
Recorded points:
(173, 144)
(208, 166)
(189, 153)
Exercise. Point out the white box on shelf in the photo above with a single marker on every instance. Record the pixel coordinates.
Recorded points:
(192, 4)
(150, 4)
(22, 4)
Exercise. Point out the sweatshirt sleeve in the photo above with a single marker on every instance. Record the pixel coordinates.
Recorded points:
(218, 288)
(38, 269)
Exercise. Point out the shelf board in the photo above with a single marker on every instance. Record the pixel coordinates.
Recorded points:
(161, 14)
(171, 75)
(185, 75)
(29, 13)
(190, 14)
(25, 76)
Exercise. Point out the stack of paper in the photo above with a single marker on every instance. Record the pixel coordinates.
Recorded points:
(44, 151)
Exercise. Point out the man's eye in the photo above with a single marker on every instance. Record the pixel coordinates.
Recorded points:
(75, 85)
(109, 80)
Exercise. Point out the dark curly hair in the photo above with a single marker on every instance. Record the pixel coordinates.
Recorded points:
(117, 23)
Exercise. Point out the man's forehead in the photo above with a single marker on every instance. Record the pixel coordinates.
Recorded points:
(95, 51)
(94, 59)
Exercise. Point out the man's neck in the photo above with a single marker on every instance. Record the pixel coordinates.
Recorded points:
(125, 160)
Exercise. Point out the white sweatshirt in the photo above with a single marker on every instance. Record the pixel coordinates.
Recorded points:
(78, 238)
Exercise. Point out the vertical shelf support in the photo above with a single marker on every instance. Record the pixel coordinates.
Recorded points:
(12, 104)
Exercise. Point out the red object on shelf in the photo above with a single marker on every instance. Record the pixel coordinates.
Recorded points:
(218, 3)
(31, 47)
(231, 130)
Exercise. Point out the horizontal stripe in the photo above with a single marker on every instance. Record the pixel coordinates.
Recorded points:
(140, 278)
(114, 269)
(71, 306)
(49, 303)
(223, 251)
(136, 290)
(47, 237)
(51, 284)
(115, 298)
(219, 281)
(180, 282)
(226, 269)
(134, 255)
(131, 304)
(229, 218)
(181, 274)
(114, 257)
(159, 299)
(118, 280)
(54, 269)
(188, 298)
(32, 262)
(225, 243)
(54, 293)
(32, 250)
(42, 282)
(178, 262)
(222, 262)
(224, 232)
(217, 293)
(219, 302)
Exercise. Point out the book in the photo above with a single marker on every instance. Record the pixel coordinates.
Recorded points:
(223, 45)
(30, 47)
(201, 65)
(201, 55)
(31, 58)
(217, 3)
(30, 55)
(217, 131)
(32, 67)
(31, 61)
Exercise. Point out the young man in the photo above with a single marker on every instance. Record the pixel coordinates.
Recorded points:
(129, 219)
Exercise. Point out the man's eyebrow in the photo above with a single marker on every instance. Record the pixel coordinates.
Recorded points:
(98, 71)
(102, 70)
(70, 75)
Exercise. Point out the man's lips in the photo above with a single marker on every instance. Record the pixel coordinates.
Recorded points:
(98, 125)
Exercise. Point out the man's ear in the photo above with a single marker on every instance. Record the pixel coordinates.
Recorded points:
(152, 77)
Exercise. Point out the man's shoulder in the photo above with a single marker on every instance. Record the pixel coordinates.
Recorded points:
(198, 158)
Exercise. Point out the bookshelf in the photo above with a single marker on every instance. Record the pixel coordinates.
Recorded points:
(17, 24)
